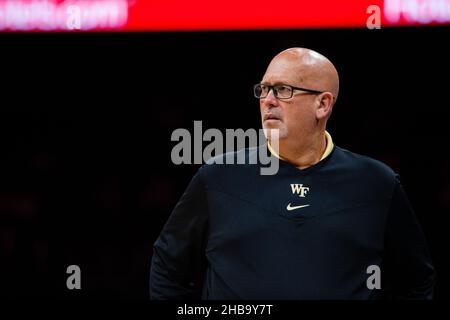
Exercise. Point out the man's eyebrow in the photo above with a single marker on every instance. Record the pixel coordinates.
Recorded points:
(274, 83)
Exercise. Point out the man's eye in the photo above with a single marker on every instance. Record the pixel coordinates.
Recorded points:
(283, 89)
(264, 89)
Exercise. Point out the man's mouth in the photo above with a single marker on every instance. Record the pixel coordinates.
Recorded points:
(270, 116)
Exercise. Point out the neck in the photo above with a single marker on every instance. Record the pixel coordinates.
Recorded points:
(306, 152)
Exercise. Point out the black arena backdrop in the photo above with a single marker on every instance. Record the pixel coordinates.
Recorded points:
(86, 121)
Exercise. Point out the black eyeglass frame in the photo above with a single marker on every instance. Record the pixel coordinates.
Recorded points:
(285, 85)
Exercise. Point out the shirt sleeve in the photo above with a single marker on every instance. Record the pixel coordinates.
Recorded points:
(410, 268)
(178, 262)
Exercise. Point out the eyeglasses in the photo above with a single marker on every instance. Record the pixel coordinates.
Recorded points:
(281, 91)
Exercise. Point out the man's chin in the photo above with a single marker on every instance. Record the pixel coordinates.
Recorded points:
(272, 123)
(280, 132)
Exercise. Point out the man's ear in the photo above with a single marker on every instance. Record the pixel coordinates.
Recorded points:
(325, 105)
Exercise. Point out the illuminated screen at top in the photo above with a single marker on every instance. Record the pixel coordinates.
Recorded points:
(199, 15)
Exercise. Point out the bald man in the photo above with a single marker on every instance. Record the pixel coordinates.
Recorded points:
(301, 128)
(331, 224)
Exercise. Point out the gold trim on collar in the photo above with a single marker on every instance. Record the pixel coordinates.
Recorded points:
(327, 152)
(329, 147)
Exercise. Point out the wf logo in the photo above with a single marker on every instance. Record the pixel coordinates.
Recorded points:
(299, 189)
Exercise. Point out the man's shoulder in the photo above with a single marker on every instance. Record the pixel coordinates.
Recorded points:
(362, 163)
(233, 163)
(234, 157)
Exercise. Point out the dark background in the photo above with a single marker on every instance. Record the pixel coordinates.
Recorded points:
(86, 119)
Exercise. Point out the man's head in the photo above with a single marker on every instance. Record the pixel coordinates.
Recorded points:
(305, 112)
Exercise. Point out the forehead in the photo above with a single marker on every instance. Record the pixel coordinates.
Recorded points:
(284, 70)
(289, 71)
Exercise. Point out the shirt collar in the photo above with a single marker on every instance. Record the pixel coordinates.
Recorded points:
(327, 152)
